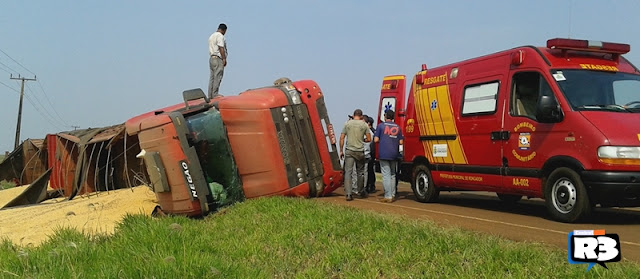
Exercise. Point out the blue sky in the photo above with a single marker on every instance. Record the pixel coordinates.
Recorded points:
(100, 63)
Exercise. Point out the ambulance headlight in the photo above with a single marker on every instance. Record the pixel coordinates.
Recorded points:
(619, 152)
(621, 155)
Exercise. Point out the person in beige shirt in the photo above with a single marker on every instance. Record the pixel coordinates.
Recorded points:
(217, 59)
(355, 130)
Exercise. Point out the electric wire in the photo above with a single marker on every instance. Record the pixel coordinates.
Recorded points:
(49, 101)
(17, 62)
(16, 90)
(61, 120)
(7, 67)
(44, 108)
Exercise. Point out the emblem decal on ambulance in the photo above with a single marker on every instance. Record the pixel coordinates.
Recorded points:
(524, 141)
(434, 105)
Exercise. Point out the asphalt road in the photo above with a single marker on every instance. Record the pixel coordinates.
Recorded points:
(527, 220)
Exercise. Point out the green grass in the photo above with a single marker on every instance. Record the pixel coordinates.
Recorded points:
(287, 237)
(6, 185)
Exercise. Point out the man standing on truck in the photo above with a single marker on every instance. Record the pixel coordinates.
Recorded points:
(217, 59)
(356, 132)
(390, 139)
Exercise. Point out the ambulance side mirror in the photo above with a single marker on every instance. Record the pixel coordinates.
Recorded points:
(549, 110)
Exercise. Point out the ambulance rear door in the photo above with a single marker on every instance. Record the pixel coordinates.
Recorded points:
(392, 97)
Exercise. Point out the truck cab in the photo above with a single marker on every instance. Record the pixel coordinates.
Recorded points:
(204, 154)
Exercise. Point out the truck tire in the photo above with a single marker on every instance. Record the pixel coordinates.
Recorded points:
(510, 199)
(565, 196)
(422, 185)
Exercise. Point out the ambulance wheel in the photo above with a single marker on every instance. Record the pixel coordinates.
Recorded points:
(422, 185)
(565, 196)
(509, 198)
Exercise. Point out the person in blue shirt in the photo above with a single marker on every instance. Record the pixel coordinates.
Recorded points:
(389, 138)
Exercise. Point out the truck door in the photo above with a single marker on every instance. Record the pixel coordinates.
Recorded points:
(522, 154)
(392, 96)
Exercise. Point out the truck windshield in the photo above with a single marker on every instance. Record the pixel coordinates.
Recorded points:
(595, 90)
(208, 136)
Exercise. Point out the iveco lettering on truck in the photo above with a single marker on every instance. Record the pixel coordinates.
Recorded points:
(560, 122)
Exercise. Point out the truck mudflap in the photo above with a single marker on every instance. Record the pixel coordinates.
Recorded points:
(609, 188)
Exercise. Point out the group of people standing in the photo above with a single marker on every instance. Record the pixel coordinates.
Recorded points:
(359, 154)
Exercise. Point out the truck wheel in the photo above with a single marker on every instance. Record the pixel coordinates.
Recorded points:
(509, 198)
(422, 185)
(565, 196)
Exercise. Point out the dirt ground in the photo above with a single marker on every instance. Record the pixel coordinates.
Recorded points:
(97, 213)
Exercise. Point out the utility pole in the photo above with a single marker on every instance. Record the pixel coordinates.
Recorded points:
(20, 106)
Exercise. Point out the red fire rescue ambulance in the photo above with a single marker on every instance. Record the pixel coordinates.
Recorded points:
(560, 122)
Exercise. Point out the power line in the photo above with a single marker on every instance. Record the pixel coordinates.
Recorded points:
(5, 65)
(49, 101)
(20, 107)
(17, 62)
(43, 107)
(39, 84)
(43, 115)
(48, 116)
(35, 107)
(33, 104)
(16, 90)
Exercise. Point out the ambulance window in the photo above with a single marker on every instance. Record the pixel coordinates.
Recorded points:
(388, 103)
(480, 98)
(626, 91)
(525, 90)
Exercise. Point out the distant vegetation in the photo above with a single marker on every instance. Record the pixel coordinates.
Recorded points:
(288, 237)
(6, 185)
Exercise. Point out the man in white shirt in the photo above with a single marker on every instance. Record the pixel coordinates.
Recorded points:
(217, 59)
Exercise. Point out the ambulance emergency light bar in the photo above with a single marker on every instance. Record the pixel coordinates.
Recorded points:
(586, 45)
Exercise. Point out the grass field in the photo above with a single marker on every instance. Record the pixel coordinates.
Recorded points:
(287, 237)
(6, 184)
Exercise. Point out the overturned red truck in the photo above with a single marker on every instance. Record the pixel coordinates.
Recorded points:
(204, 154)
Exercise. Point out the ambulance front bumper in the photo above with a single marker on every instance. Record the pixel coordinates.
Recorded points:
(612, 188)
